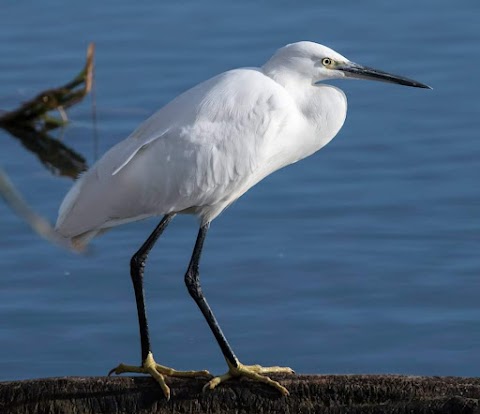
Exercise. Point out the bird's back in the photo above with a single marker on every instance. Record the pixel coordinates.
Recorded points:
(197, 154)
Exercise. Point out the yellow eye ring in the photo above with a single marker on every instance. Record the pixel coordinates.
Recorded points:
(327, 61)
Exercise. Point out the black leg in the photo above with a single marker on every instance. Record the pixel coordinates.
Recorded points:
(137, 266)
(192, 280)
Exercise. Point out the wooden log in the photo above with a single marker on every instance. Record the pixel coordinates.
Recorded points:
(332, 394)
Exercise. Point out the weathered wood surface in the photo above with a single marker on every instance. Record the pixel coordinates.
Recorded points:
(308, 394)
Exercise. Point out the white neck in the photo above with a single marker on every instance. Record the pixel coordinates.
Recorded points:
(324, 106)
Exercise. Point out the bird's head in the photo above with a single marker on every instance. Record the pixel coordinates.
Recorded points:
(317, 63)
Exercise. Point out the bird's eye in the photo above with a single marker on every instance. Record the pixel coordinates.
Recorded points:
(327, 62)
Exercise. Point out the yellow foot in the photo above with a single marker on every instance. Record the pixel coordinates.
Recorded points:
(253, 372)
(158, 372)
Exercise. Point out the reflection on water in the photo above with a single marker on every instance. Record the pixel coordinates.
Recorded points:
(58, 158)
(30, 123)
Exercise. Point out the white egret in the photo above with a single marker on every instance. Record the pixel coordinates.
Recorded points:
(200, 153)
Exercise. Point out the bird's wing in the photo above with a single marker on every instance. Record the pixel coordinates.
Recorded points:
(199, 150)
(236, 111)
(140, 147)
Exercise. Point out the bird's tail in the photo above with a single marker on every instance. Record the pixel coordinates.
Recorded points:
(68, 243)
(79, 243)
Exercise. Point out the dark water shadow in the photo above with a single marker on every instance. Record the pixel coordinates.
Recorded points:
(59, 159)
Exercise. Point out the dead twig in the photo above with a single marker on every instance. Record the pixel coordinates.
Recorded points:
(35, 111)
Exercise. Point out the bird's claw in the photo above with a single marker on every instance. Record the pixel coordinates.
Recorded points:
(253, 372)
(158, 372)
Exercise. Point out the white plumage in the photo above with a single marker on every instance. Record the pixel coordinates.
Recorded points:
(200, 153)
(208, 146)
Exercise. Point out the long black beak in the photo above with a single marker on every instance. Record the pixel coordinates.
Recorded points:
(352, 70)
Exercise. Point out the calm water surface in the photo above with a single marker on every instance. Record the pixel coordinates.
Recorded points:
(363, 258)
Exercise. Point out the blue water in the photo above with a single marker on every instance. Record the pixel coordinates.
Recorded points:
(363, 258)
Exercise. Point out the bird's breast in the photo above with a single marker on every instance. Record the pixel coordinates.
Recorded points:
(321, 114)
(325, 111)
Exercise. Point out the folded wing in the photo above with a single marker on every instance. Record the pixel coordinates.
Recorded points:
(197, 153)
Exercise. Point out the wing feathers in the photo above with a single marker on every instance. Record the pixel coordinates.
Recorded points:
(137, 150)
